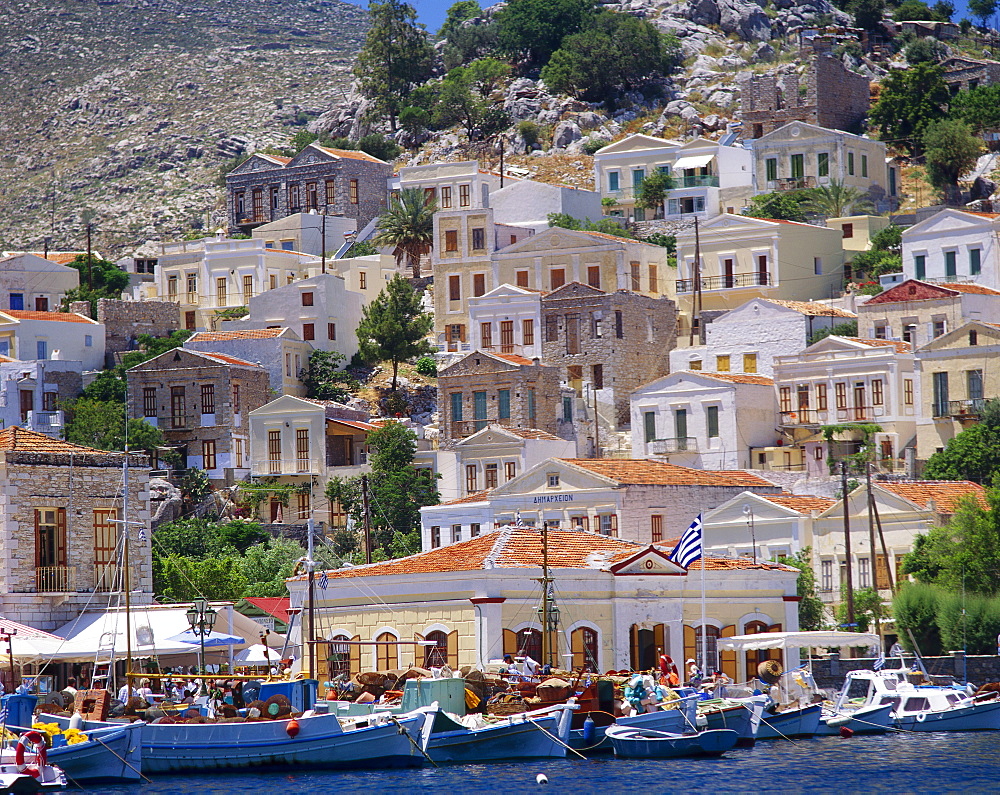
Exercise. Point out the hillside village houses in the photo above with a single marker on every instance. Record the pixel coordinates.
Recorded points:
(954, 245)
(507, 319)
(32, 282)
(279, 350)
(68, 336)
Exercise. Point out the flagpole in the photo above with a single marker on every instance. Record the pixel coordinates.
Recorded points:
(704, 621)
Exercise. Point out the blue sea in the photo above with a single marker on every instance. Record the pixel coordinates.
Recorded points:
(893, 764)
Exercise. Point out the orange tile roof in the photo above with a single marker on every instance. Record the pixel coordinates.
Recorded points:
(21, 440)
(353, 154)
(226, 359)
(531, 433)
(978, 289)
(278, 158)
(738, 378)
(946, 494)
(627, 471)
(248, 334)
(977, 212)
(513, 358)
(479, 496)
(901, 347)
(611, 237)
(720, 564)
(62, 317)
(811, 308)
(801, 503)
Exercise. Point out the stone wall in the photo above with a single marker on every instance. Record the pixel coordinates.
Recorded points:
(829, 672)
(124, 321)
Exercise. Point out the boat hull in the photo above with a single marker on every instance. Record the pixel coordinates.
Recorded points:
(516, 739)
(111, 755)
(975, 717)
(672, 721)
(646, 744)
(864, 720)
(801, 722)
(739, 718)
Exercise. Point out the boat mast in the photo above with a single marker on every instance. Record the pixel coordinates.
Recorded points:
(126, 580)
(311, 568)
(847, 546)
(546, 645)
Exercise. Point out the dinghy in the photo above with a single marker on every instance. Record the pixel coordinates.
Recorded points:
(632, 743)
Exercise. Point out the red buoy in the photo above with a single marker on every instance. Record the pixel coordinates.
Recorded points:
(845, 732)
(292, 728)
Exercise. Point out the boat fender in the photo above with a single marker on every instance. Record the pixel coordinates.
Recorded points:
(589, 730)
(541, 778)
(846, 732)
(921, 717)
(39, 744)
(76, 722)
(292, 728)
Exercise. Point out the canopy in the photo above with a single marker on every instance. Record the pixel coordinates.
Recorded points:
(27, 643)
(796, 640)
(213, 638)
(257, 655)
(694, 161)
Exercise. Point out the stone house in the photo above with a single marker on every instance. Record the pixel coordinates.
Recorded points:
(606, 344)
(69, 336)
(28, 281)
(918, 312)
(60, 510)
(200, 401)
(703, 420)
(746, 339)
(277, 350)
(957, 372)
(482, 389)
(348, 183)
(833, 96)
(125, 321)
(952, 246)
(962, 73)
(621, 604)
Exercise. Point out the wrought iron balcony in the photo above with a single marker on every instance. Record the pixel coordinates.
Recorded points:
(971, 409)
(726, 281)
(696, 181)
(801, 417)
(680, 444)
(792, 183)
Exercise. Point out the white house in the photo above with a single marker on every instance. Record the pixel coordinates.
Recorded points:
(746, 339)
(507, 319)
(710, 178)
(367, 276)
(69, 336)
(954, 246)
(32, 392)
(528, 203)
(28, 281)
(455, 186)
(703, 420)
(303, 232)
(280, 351)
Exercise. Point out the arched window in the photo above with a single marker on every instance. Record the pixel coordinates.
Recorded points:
(436, 655)
(529, 643)
(585, 651)
(339, 659)
(755, 657)
(711, 649)
(386, 657)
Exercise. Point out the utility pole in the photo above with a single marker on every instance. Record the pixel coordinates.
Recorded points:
(90, 273)
(696, 281)
(322, 239)
(500, 139)
(366, 519)
(597, 425)
(310, 563)
(872, 558)
(546, 644)
(847, 546)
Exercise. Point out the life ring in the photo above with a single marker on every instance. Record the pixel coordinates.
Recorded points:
(35, 738)
(921, 717)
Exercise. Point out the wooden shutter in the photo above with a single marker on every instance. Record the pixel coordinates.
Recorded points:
(633, 645)
(453, 650)
(38, 539)
(614, 525)
(61, 558)
(576, 646)
(509, 642)
(355, 652)
(419, 652)
(775, 654)
(881, 572)
(690, 645)
(660, 640)
(727, 659)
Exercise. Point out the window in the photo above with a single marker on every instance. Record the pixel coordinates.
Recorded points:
(973, 338)
(41, 349)
(105, 541)
(208, 398)
(594, 276)
(192, 289)
(573, 333)
(478, 239)
(354, 191)
(707, 651)
(471, 478)
(308, 331)
(635, 277)
(551, 328)
(908, 391)
(638, 175)
(597, 376)
(771, 166)
(803, 396)
(823, 164)
(479, 409)
(171, 291)
(653, 280)
(818, 266)
(430, 195)
(950, 265)
(490, 476)
(619, 324)
(362, 280)
(864, 573)
(974, 384)
(798, 166)
(850, 163)
(478, 284)
(445, 205)
(456, 406)
(557, 278)
(486, 334)
(877, 392)
(272, 281)
(881, 331)
(584, 646)
(288, 365)
(722, 363)
(274, 452)
(920, 266)
(656, 528)
(386, 652)
(509, 470)
(695, 365)
(553, 480)
(473, 533)
(463, 195)
(208, 454)
(506, 336)
(909, 332)
(531, 404)
(220, 291)
(864, 165)
(821, 397)
(331, 192)
(50, 548)
(238, 443)
(302, 449)
(712, 421)
(454, 288)
(307, 299)
(274, 201)
(331, 331)
(614, 181)
(178, 406)
(149, 401)
(938, 328)
(521, 278)
(456, 533)
(785, 399)
(840, 394)
(826, 575)
(435, 537)
(567, 408)
(608, 523)
(940, 385)
(749, 362)
(681, 428)
(49, 401)
(527, 331)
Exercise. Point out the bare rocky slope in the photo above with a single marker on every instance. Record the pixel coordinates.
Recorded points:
(123, 110)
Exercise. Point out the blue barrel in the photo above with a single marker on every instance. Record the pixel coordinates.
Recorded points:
(19, 708)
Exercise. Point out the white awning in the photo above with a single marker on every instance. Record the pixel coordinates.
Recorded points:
(796, 640)
(695, 161)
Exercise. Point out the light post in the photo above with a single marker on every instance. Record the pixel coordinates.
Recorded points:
(201, 617)
(8, 636)
(748, 513)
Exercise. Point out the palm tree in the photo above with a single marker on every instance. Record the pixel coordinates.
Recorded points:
(836, 200)
(408, 226)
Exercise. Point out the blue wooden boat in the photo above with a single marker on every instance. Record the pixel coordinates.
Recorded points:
(790, 723)
(111, 754)
(742, 716)
(632, 743)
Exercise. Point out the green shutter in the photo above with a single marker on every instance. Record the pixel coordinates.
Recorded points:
(649, 424)
(712, 418)
(504, 401)
(456, 406)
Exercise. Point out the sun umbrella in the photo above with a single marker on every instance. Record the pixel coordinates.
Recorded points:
(211, 639)
(257, 654)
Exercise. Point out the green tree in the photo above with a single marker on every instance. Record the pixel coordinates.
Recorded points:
(810, 605)
(606, 226)
(458, 13)
(653, 190)
(266, 566)
(950, 150)
(868, 14)
(469, 42)
(978, 107)
(150, 347)
(379, 146)
(325, 378)
(98, 279)
(910, 10)
(108, 385)
(983, 9)
(909, 100)
(867, 608)
(944, 10)
(408, 226)
(536, 28)
(101, 424)
(835, 200)
(915, 609)
(972, 454)
(848, 329)
(397, 490)
(884, 255)
(414, 120)
(397, 54)
(465, 98)
(394, 326)
(779, 205)
(925, 50)
(363, 248)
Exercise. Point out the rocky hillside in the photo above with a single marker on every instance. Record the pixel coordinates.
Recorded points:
(123, 110)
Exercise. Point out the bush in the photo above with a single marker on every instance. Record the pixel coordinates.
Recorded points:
(669, 242)
(427, 365)
(414, 120)
(592, 145)
(529, 131)
(925, 49)
(379, 146)
(915, 608)
(967, 621)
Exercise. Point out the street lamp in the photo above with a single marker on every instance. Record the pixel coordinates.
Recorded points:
(201, 617)
(748, 513)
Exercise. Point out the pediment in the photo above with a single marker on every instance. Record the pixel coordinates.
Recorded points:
(533, 484)
(651, 560)
(948, 221)
(556, 238)
(256, 162)
(959, 338)
(637, 143)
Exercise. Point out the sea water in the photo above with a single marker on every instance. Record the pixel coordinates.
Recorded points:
(895, 763)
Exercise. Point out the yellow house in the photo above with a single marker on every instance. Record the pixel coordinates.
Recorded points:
(958, 372)
(619, 604)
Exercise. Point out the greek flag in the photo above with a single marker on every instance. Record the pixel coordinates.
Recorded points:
(879, 663)
(688, 549)
(323, 580)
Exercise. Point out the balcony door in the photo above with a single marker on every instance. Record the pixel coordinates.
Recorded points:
(681, 428)
(859, 401)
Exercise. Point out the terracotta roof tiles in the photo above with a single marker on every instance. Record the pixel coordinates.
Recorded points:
(352, 154)
(513, 358)
(246, 334)
(226, 359)
(812, 308)
(801, 503)
(629, 471)
(945, 494)
(531, 433)
(21, 440)
(901, 347)
(978, 289)
(479, 496)
(739, 378)
(62, 317)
